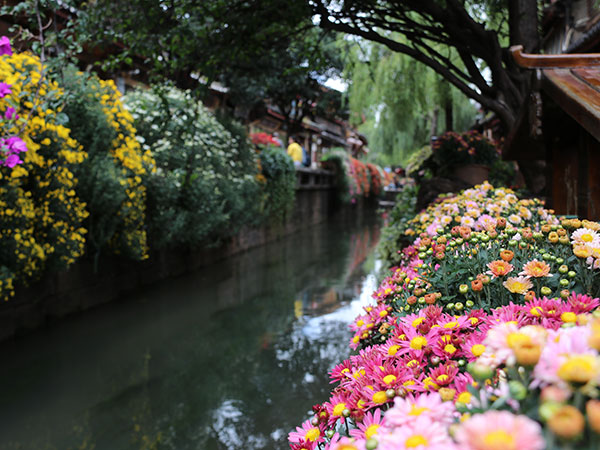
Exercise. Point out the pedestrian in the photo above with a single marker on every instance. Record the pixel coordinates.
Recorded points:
(277, 139)
(295, 151)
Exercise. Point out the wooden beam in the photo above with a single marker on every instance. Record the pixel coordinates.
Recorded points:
(532, 61)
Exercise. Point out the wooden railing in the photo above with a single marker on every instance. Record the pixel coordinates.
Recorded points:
(314, 179)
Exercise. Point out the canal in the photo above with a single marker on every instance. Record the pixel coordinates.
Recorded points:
(231, 357)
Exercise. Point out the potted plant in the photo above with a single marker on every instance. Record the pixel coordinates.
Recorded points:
(467, 156)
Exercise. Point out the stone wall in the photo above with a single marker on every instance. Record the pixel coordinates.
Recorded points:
(81, 288)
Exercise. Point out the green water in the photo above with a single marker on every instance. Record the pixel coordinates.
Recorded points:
(231, 357)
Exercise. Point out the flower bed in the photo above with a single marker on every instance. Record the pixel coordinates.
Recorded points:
(484, 336)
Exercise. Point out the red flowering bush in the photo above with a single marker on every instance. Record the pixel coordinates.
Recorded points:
(377, 179)
(264, 139)
(360, 176)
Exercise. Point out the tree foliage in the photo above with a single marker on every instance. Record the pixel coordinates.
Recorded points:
(258, 49)
(293, 80)
(433, 31)
(398, 102)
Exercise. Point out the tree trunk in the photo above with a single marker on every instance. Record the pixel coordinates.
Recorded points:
(446, 100)
(523, 24)
(434, 121)
(449, 114)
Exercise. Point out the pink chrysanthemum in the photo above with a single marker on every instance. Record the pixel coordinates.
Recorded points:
(461, 385)
(369, 427)
(507, 313)
(473, 346)
(406, 410)
(303, 445)
(567, 354)
(336, 406)
(443, 374)
(349, 444)
(417, 341)
(421, 434)
(340, 371)
(546, 312)
(387, 376)
(583, 303)
(485, 222)
(502, 339)
(308, 433)
(500, 430)
(360, 323)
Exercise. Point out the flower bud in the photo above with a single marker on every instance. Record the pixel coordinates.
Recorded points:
(371, 444)
(554, 394)
(545, 290)
(479, 371)
(517, 390)
(527, 354)
(592, 410)
(567, 422)
(447, 394)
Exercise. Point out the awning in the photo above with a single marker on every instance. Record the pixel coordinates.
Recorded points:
(577, 91)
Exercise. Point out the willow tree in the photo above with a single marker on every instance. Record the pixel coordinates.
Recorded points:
(478, 31)
(398, 102)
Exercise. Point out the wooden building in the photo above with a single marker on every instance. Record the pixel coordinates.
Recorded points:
(559, 127)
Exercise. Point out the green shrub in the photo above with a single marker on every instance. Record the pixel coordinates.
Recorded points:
(280, 181)
(204, 188)
(337, 160)
(393, 235)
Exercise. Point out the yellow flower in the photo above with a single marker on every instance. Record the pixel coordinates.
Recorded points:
(579, 369)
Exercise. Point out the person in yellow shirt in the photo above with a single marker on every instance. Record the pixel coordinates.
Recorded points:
(295, 151)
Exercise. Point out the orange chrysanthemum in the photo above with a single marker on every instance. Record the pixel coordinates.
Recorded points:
(507, 255)
(536, 269)
(499, 268)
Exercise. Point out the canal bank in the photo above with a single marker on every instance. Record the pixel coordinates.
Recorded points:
(86, 285)
(229, 357)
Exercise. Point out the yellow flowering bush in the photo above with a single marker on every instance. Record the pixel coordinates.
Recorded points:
(41, 214)
(112, 180)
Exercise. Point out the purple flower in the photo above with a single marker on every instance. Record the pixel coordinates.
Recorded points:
(4, 89)
(15, 144)
(5, 48)
(12, 160)
(11, 113)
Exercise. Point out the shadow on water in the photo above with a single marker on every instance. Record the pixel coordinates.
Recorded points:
(228, 358)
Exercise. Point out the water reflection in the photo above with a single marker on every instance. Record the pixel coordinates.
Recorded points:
(229, 358)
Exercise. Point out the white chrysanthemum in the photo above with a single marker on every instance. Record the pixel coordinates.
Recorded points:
(467, 221)
(586, 236)
(513, 218)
